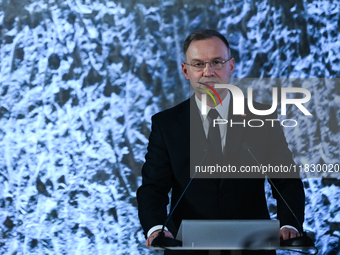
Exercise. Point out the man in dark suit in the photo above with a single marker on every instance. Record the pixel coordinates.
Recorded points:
(183, 131)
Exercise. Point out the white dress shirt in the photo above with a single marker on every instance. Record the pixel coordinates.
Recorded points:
(223, 111)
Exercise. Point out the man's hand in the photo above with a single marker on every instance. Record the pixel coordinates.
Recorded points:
(287, 233)
(155, 234)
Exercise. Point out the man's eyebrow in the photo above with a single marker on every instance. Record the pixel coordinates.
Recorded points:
(196, 59)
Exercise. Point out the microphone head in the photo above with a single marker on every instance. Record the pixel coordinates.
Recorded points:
(245, 145)
(301, 241)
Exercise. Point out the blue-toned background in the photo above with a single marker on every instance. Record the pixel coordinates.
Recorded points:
(80, 80)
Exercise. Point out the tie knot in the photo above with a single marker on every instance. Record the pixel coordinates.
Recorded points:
(213, 114)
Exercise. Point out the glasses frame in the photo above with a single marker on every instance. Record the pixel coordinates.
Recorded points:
(208, 62)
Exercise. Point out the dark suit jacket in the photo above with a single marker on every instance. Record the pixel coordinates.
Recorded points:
(168, 162)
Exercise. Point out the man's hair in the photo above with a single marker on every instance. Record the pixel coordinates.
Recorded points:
(202, 35)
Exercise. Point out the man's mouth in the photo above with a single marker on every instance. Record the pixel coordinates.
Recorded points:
(210, 83)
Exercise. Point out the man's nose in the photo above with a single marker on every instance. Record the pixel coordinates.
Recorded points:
(208, 71)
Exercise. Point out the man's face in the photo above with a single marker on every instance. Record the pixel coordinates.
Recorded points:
(208, 50)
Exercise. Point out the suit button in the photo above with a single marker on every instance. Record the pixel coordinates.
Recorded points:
(221, 195)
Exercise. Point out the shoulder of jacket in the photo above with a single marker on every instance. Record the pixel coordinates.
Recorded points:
(171, 112)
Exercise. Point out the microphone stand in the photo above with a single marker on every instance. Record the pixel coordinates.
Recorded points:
(300, 241)
(161, 240)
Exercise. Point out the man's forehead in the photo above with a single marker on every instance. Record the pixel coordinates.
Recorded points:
(212, 47)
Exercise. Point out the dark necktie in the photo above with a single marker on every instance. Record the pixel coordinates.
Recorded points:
(214, 137)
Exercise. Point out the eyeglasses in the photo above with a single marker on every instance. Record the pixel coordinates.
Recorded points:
(214, 64)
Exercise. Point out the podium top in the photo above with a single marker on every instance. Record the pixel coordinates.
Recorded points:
(230, 234)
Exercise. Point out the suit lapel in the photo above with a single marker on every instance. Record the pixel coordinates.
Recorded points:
(191, 122)
(184, 119)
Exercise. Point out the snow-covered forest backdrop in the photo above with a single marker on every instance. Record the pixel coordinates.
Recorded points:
(80, 80)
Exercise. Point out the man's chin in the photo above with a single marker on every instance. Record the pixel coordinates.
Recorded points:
(220, 92)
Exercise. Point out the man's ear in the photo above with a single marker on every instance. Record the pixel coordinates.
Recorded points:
(185, 71)
(232, 66)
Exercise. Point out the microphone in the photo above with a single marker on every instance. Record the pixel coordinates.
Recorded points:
(301, 241)
(161, 240)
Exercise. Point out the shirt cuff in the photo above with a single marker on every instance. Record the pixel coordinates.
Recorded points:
(153, 229)
(289, 226)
